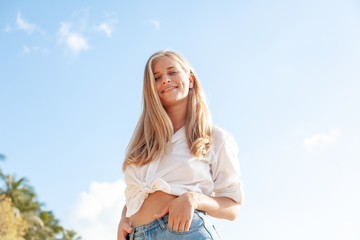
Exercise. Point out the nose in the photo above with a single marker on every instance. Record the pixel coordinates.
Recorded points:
(165, 79)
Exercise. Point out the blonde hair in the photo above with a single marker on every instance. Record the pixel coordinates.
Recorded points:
(155, 129)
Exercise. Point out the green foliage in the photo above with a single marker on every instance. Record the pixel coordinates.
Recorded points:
(40, 224)
(12, 225)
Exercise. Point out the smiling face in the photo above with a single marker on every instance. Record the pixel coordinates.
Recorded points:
(171, 81)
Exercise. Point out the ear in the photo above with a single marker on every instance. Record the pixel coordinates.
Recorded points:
(191, 80)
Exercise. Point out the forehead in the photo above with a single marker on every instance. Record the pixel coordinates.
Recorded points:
(163, 63)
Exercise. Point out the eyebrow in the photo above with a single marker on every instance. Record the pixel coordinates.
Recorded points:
(167, 69)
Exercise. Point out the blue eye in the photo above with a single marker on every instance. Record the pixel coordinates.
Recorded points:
(174, 72)
(157, 78)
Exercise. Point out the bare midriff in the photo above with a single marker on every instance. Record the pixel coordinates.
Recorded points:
(152, 205)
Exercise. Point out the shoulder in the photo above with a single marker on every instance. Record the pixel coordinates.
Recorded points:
(220, 136)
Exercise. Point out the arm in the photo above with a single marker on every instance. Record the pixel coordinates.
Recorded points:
(218, 207)
(227, 192)
(181, 209)
(124, 227)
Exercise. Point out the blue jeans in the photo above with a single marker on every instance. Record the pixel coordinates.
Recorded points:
(200, 229)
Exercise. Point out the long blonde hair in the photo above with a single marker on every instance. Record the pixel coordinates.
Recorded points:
(155, 129)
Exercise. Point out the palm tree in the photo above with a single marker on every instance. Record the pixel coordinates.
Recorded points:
(70, 235)
(41, 224)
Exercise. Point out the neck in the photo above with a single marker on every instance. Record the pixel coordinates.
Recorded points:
(177, 114)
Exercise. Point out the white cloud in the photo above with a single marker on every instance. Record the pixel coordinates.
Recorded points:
(107, 27)
(24, 25)
(73, 40)
(96, 213)
(70, 34)
(155, 23)
(321, 139)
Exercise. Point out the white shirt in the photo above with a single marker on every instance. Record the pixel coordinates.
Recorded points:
(178, 171)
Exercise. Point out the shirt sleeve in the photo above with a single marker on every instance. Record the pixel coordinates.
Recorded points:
(225, 169)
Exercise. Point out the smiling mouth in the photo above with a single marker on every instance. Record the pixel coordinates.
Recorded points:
(168, 89)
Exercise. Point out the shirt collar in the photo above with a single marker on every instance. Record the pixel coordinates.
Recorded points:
(178, 135)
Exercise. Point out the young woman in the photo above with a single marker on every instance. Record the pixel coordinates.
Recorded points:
(179, 168)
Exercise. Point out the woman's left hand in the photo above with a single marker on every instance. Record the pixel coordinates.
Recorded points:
(181, 211)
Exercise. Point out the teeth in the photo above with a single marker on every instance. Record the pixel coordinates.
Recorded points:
(168, 89)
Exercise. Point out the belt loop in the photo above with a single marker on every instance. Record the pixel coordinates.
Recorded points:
(161, 223)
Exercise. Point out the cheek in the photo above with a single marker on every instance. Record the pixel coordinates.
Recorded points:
(185, 83)
(158, 87)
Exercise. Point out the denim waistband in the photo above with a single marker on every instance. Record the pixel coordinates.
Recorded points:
(154, 224)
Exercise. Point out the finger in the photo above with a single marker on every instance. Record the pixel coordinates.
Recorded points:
(182, 225)
(188, 222)
(124, 235)
(127, 228)
(176, 224)
(171, 222)
(163, 212)
(187, 225)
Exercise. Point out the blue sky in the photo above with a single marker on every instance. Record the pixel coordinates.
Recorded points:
(281, 76)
